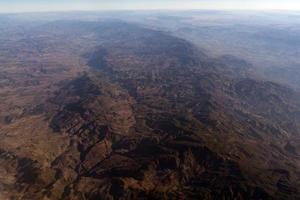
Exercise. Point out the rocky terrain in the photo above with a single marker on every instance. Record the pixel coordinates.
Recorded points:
(111, 110)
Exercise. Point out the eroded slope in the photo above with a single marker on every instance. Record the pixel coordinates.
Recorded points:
(155, 118)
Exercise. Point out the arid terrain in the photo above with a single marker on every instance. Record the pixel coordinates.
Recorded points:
(103, 108)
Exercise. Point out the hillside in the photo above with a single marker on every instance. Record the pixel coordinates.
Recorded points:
(142, 114)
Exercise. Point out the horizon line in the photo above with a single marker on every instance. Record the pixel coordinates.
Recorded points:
(149, 10)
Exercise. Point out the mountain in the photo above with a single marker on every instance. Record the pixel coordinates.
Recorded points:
(148, 115)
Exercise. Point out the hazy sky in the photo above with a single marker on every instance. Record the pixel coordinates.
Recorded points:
(65, 5)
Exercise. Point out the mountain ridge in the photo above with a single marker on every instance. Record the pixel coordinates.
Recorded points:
(153, 117)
